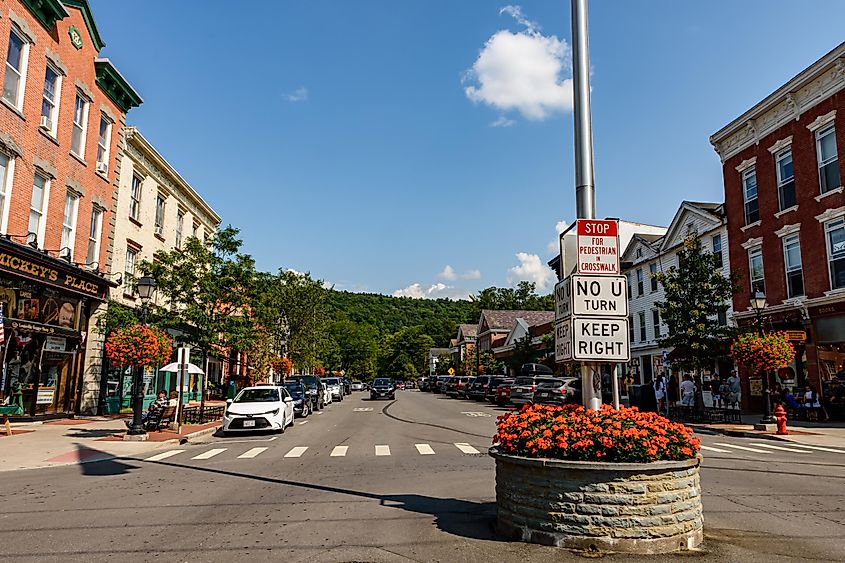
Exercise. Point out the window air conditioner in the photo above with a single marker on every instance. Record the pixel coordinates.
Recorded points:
(46, 123)
(159, 230)
(102, 167)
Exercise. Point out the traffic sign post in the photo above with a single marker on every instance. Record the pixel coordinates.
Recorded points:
(598, 246)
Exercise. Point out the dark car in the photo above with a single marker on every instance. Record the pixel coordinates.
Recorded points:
(383, 387)
(315, 390)
(503, 392)
(524, 387)
(347, 385)
(558, 391)
(456, 385)
(478, 387)
(441, 384)
(493, 384)
(425, 384)
(299, 393)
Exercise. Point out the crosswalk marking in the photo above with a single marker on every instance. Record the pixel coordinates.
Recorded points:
(382, 450)
(819, 448)
(719, 450)
(780, 448)
(756, 451)
(164, 455)
(339, 451)
(424, 449)
(251, 453)
(297, 451)
(466, 448)
(362, 409)
(210, 453)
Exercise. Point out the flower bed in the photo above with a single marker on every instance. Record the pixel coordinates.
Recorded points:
(571, 433)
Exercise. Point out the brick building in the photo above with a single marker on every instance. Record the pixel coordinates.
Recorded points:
(62, 111)
(785, 206)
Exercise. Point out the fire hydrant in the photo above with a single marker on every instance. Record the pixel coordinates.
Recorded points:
(780, 419)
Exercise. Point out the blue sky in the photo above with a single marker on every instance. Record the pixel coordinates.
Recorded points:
(375, 143)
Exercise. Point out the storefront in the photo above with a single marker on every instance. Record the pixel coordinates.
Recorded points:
(46, 304)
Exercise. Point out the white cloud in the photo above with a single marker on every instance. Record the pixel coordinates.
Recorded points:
(502, 121)
(448, 273)
(472, 275)
(523, 71)
(435, 291)
(298, 95)
(532, 269)
(554, 245)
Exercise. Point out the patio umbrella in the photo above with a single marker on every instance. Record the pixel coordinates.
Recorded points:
(174, 367)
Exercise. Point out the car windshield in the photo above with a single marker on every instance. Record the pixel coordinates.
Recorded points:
(309, 380)
(382, 381)
(551, 383)
(294, 389)
(257, 396)
(332, 381)
(524, 381)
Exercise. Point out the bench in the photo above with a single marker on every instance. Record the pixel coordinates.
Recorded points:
(159, 418)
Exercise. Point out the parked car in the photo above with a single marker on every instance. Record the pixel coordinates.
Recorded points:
(425, 384)
(503, 392)
(478, 387)
(523, 388)
(400, 385)
(357, 386)
(464, 389)
(558, 391)
(383, 387)
(299, 394)
(335, 387)
(442, 383)
(347, 385)
(315, 388)
(456, 386)
(259, 408)
(493, 387)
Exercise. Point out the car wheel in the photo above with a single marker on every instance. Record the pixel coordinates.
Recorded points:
(306, 410)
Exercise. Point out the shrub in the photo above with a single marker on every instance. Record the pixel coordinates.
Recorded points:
(572, 433)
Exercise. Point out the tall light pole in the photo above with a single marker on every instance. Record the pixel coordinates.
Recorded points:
(758, 303)
(146, 287)
(585, 198)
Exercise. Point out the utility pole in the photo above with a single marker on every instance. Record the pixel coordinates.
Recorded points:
(585, 200)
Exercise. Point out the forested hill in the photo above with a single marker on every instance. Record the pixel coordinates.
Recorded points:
(438, 317)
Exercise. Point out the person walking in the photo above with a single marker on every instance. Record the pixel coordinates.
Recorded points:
(673, 390)
(735, 395)
(660, 394)
(687, 392)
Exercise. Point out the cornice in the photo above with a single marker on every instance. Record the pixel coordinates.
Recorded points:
(752, 242)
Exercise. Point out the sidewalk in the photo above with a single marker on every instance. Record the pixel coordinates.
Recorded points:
(83, 440)
(811, 433)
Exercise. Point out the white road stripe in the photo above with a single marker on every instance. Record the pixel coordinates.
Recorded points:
(756, 451)
(297, 451)
(164, 455)
(819, 448)
(780, 448)
(466, 448)
(709, 449)
(303, 422)
(319, 412)
(382, 450)
(424, 449)
(209, 453)
(339, 451)
(251, 453)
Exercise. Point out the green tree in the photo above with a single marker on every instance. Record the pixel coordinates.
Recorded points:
(351, 347)
(444, 363)
(522, 297)
(482, 364)
(523, 352)
(697, 295)
(404, 354)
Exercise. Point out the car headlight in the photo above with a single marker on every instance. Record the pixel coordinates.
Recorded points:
(275, 412)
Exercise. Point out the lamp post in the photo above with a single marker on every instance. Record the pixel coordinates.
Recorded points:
(146, 287)
(758, 303)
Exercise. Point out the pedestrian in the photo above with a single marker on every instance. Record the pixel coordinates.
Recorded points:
(673, 391)
(724, 393)
(173, 400)
(660, 394)
(155, 406)
(687, 391)
(735, 395)
(789, 400)
(813, 404)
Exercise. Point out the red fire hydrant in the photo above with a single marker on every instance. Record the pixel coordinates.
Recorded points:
(780, 419)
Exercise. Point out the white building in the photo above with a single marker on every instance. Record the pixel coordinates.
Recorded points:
(648, 254)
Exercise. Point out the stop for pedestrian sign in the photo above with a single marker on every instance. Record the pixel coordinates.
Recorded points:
(598, 246)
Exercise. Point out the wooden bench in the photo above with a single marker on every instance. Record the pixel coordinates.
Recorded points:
(157, 418)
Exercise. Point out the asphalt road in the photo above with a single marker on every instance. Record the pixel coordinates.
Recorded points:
(382, 481)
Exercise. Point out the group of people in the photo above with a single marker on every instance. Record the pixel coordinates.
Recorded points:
(809, 402)
(726, 392)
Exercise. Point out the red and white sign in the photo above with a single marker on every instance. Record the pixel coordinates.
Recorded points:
(598, 246)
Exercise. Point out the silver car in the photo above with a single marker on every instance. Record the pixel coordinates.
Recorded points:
(523, 388)
(334, 386)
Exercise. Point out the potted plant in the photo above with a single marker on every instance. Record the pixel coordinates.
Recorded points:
(139, 346)
(762, 352)
(607, 480)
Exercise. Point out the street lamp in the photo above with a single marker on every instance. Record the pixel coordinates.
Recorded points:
(758, 303)
(146, 287)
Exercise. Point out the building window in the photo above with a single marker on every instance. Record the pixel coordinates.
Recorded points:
(69, 225)
(135, 197)
(129, 270)
(50, 100)
(640, 281)
(38, 207)
(80, 120)
(749, 194)
(722, 317)
(828, 159)
(786, 179)
(835, 231)
(180, 220)
(628, 280)
(717, 250)
(652, 271)
(755, 267)
(631, 329)
(103, 144)
(639, 253)
(6, 164)
(792, 263)
(160, 202)
(643, 337)
(16, 57)
(655, 316)
(93, 255)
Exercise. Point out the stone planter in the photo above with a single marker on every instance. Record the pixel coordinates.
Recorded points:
(622, 507)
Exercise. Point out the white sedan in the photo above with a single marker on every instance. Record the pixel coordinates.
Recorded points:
(259, 408)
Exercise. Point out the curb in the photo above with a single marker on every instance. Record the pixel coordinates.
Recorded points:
(738, 433)
(190, 436)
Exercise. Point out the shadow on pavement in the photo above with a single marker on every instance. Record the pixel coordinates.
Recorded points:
(91, 464)
(94, 432)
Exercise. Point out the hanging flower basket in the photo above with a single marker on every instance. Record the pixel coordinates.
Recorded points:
(758, 353)
(139, 346)
(608, 480)
(282, 365)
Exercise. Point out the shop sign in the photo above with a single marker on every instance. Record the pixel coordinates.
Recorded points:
(39, 328)
(756, 386)
(55, 344)
(46, 274)
(796, 335)
(598, 246)
(45, 396)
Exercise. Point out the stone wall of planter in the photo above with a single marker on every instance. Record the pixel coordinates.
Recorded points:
(622, 507)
